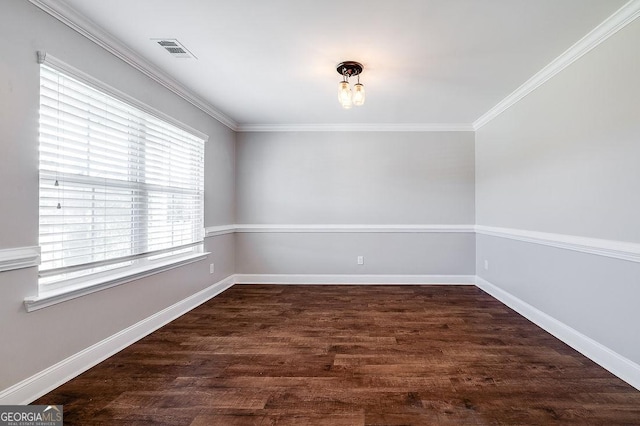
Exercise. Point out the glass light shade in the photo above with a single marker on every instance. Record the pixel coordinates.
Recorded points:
(358, 94)
(344, 95)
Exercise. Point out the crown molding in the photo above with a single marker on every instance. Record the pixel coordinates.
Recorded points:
(70, 17)
(358, 127)
(92, 31)
(614, 23)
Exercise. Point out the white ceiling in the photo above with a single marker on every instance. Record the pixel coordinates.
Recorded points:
(426, 61)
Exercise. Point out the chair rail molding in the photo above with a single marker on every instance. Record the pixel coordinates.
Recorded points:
(337, 228)
(19, 257)
(610, 248)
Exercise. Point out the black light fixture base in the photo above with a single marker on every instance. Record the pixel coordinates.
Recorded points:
(349, 68)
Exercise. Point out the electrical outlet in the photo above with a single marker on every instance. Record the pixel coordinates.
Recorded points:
(360, 260)
(486, 265)
(212, 268)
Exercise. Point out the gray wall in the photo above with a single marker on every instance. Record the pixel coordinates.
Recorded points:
(42, 338)
(355, 178)
(565, 160)
(336, 253)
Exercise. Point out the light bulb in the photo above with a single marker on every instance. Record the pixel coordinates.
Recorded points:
(344, 95)
(358, 94)
(347, 103)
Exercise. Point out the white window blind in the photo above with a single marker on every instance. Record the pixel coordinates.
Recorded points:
(116, 183)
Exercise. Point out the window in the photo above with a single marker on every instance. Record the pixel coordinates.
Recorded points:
(119, 186)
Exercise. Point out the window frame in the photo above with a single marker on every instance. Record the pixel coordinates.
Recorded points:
(141, 265)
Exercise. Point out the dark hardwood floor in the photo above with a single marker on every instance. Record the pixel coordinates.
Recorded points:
(348, 355)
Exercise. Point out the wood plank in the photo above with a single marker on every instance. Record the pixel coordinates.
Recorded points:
(348, 355)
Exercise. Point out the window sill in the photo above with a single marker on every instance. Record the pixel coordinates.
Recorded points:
(89, 286)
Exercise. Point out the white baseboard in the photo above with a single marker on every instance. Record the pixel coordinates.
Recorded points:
(39, 384)
(348, 279)
(617, 364)
(48, 379)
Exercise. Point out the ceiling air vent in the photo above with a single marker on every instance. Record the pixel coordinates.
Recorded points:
(174, 47)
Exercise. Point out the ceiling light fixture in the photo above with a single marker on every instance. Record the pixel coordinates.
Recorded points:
(346, 96)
